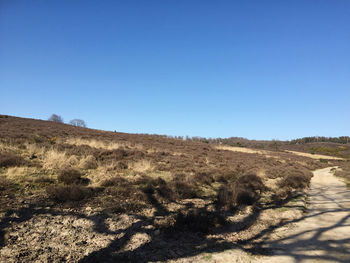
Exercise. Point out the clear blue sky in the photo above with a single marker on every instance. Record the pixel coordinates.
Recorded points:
(255, 69)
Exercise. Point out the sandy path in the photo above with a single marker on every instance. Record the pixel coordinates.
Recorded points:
(315, 156)
(323, 234)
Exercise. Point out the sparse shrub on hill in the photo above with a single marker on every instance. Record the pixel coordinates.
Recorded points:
(78, 123)
(56, 118)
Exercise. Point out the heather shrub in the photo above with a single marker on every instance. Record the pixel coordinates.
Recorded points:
(296, 181)
(89, 162)
(204, 177)
(69, 193)
(115, 181)
(123, 196)
(184, 190)
(10, 160)
(226, 197)
(198, 221)
(248, 189)
(71, 176)
(344, 171)
(112, 155)
(4, 184)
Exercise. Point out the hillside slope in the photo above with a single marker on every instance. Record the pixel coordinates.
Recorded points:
(125, 196)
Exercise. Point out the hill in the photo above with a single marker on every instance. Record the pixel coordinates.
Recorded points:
(92, 194)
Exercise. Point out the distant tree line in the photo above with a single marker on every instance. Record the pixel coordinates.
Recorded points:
(262, 144)
(75, 122)
(341, 139)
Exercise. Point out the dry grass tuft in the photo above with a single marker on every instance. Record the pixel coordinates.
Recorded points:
(142, 166)
(53, 159)
(99, 144)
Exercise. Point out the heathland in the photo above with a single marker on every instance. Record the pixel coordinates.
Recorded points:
(82, 195)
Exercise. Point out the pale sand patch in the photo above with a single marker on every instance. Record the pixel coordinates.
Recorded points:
(315, 156)
(267, 154)
(241, 149)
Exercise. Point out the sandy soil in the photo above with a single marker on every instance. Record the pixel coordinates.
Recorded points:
(272, 154)
(315, 156)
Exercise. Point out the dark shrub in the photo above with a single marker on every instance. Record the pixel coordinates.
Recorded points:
(123, 195)
(115, 181)
(198, 220)
(158, 186)
(226, 197)
(184, 190)
(71, 176)
(248, 189)
(245, 191)
(122, 165)
(69, 193)
(10, 159)
(117, 154)
(204, 177)
(4, 184)
(296, 181)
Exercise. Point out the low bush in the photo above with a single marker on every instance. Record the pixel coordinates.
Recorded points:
(296, 181)
(115, 181)
(69, 193)
(204, 177)
(157, 186)
(11, 160)
(4, 184)
(184, 190)
(198, 221)
(89, 162)
(344, 171)
(226, 197)
(70, 176)
(246, 190)
(123, 196)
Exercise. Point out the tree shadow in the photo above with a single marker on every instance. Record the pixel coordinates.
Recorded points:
(204, 232)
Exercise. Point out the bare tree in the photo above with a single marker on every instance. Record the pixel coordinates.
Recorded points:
(78, 123)
(56, 118)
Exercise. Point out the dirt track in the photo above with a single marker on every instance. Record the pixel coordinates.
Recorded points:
(323, 234)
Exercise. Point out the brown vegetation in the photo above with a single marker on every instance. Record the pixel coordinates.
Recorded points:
(170, 184)
(129, 172)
